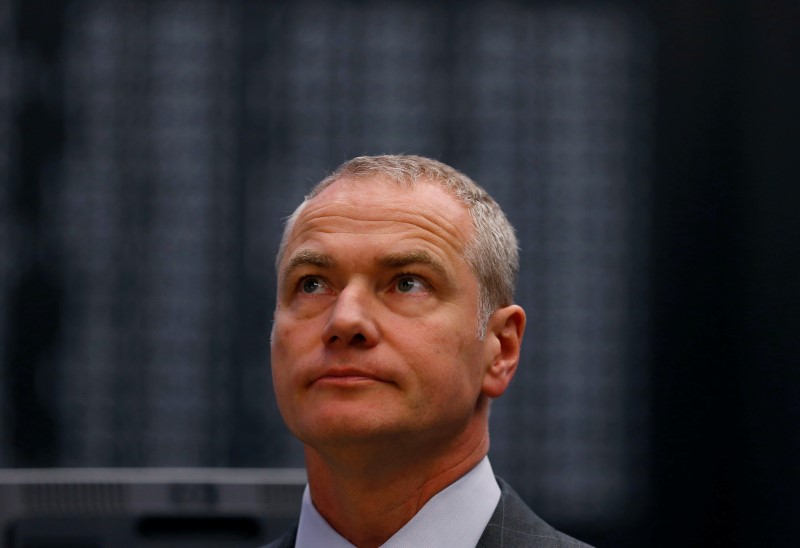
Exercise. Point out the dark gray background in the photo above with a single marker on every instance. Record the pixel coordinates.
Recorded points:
(150, 151)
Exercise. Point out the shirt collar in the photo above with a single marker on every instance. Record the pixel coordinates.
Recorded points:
(455, 516)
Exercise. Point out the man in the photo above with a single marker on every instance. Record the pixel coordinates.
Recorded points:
(394, 328)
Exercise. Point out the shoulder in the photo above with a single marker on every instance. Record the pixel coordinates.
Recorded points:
(286, 540)
(513, 524)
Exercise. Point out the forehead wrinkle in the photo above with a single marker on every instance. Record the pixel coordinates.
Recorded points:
(436, 222)
(340, 215)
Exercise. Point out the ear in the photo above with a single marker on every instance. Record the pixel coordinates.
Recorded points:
(503, 341)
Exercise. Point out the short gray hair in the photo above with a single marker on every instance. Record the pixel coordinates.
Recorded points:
(492, 253)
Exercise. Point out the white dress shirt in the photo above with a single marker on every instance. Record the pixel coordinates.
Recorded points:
(454, 517)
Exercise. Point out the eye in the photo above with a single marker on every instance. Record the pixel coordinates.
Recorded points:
(311, 285)
(410, 284)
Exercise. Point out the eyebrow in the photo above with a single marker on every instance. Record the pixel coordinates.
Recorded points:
(400, 260)
(308, 258)
(393, 260)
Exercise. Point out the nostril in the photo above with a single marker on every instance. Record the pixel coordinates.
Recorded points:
(359, 338)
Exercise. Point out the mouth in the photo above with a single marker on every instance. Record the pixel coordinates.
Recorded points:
(346, 377)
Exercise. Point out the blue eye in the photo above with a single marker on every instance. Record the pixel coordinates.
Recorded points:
(311, 285)
(409, 284)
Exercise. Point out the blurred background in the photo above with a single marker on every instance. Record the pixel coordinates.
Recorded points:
(645, 151)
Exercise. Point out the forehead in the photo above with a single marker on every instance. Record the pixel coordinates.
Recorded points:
(375, 205)
(378, 188)
(376, 199)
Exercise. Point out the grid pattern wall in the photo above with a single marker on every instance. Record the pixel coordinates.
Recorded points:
(194, 127)
(6, 254)
(563, 115)
(146, 224)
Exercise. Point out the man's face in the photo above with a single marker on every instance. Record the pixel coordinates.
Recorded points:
(375, 331)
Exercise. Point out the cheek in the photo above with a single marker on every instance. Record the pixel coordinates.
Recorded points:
(285, 349)
(447, 365)
(290, 335)
(284, 361)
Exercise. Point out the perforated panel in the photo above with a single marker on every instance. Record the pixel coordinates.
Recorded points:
(147, 218)
(194, 128)
(6, 144)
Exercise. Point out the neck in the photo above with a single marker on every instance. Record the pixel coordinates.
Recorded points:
(368, 494)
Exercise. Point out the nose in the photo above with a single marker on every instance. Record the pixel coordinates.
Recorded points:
(352, 321)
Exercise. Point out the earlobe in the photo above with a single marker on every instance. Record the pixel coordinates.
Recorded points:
(504, 339)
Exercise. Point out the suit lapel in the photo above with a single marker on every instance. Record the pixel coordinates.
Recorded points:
(514, 525)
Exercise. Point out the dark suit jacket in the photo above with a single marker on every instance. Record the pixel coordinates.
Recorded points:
(513, 525)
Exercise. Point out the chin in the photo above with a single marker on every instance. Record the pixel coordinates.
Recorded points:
(348, 430)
